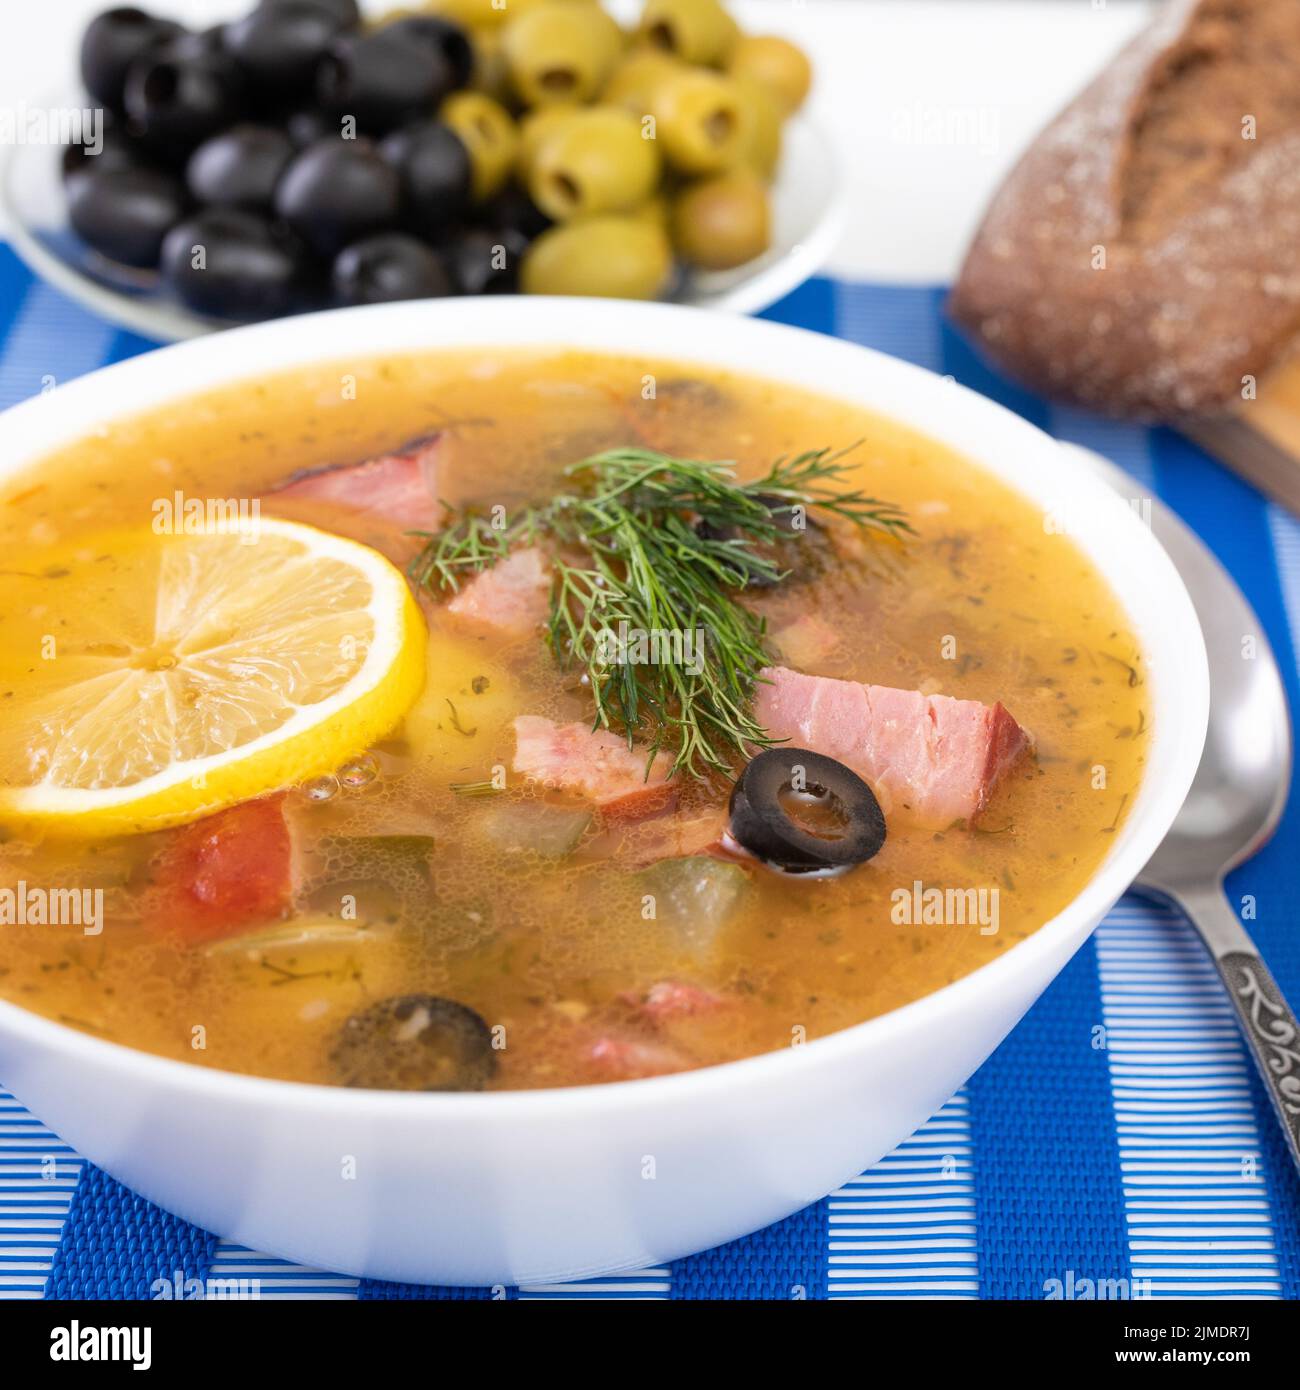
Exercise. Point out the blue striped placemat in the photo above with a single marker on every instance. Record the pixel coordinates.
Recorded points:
(1117, 1143)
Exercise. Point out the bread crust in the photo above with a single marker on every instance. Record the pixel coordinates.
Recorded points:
(1156, 321)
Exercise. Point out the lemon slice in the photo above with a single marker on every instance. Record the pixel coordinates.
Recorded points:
(148, 680)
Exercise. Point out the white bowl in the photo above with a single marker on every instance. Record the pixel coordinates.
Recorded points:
(807, 203)
(544, 1185)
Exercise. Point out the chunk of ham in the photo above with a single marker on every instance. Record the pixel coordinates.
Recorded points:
(512, 598)
(932, 758)
(670, 999)
(616, 1058)
(225, 872)
(638, 1047)
(593, 763)
(677, 835)
(377, 500)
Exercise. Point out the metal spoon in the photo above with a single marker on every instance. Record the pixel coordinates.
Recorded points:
(1235, 802)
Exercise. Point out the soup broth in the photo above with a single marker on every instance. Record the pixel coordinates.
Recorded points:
(593, 945)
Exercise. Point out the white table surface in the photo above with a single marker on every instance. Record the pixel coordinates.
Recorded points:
(931, 100)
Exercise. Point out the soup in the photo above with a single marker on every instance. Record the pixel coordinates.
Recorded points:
(471, 881)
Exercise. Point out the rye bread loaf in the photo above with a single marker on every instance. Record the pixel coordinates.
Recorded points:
(1144, 255)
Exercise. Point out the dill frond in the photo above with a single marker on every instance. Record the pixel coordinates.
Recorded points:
(664, 545)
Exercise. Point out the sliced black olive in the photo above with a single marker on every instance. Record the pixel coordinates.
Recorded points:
(383, 82)
(415, 1042)
(449, 41)
(240, 167)
(124, 213)
(800, 811)
(279, 45)
(112, 42)
(793, 525)
(338, 191)
(387, 267)
(791, 517)
(234, 264)
(176, 96)
(745, 576)
(435, 169)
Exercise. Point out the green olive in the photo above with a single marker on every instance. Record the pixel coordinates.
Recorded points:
(476, 14)
(534, 127)
(781, 67)
(618, 257)
(597, 161)
(702, 121)
(696, 31)
(637, 77)
(489, 135)
(655, 211)
(722, 222)
(763, 151)
(560, 52)
(490, 75)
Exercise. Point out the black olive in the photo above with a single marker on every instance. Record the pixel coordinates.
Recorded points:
(310, 124)
(279, 46)
(175, 98)
(240, 167)
(386, 267)
(449, 41)
(189, 42)
(124, 213)
(337, 191)
(117, 151)
(345, 11)
(234, 264)
(415, 1042)
(513, 208)
(435, 169)
(382, 82)
(112, 42)
(484, 261)
(800, 811)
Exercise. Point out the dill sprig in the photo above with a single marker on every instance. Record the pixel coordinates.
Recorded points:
(664, 545)
(808, 480)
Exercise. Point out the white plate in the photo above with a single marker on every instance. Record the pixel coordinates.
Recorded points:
(807, 214)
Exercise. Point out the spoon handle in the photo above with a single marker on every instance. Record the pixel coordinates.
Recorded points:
(1267, 1020)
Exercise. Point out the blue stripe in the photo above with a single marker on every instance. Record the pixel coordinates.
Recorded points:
(812, 305)
(961, 362)
(116, 1245)
(786, 1261)
(1048, 1192)
(126, 344)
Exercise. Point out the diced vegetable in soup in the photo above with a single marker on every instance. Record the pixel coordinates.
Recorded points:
(534, 720)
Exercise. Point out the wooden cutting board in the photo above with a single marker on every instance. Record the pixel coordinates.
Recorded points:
(1261, 438)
